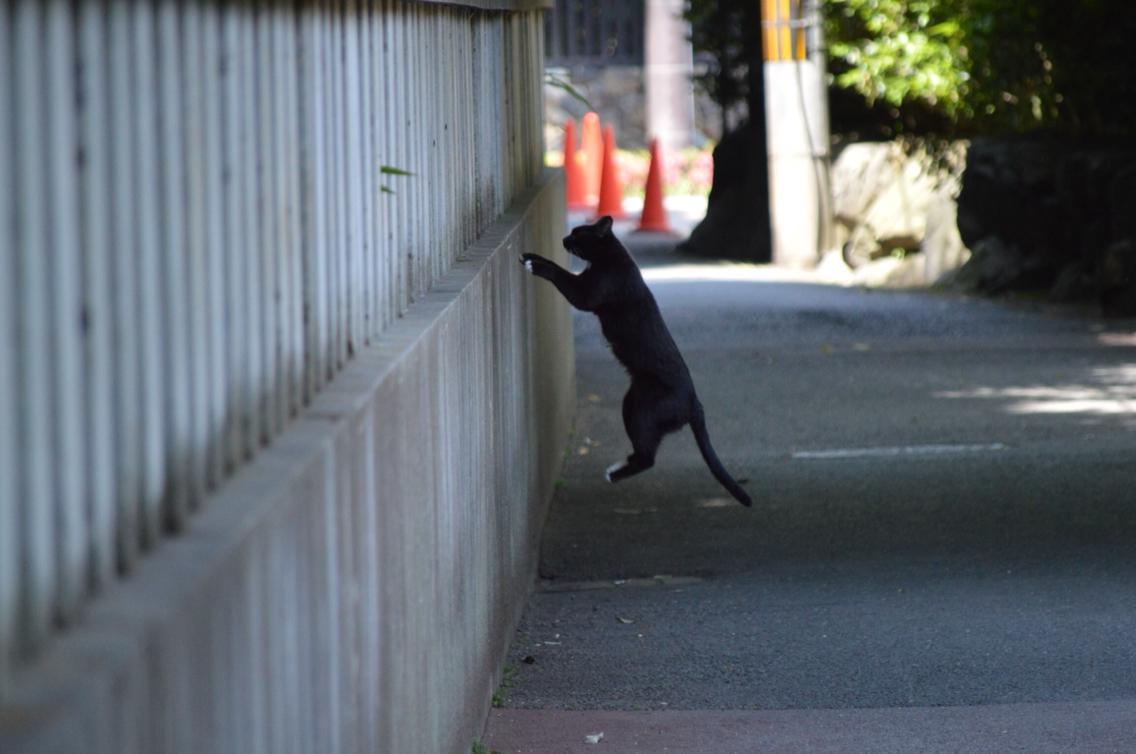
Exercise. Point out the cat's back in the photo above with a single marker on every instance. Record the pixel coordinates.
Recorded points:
(633, 325)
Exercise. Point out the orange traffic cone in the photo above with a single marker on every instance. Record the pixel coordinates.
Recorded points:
(591, 143)
(611, 189)
(654, 217)
(573, 170)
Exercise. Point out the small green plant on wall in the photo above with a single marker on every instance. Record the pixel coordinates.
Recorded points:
(391, 170)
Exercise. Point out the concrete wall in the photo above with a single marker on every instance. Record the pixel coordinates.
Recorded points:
(354, 587)
(197, 234)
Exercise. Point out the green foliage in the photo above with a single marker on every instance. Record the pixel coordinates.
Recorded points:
(899, 51)
(987, 65)
(508, 678)
(391, 170)
(947, 66)
(558, 83)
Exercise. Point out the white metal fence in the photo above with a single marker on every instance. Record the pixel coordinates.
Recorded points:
(195, 236)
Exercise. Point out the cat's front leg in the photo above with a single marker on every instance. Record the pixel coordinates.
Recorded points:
(541, 267)
(569, 285)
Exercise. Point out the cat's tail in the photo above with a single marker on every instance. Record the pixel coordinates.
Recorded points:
(698, 425)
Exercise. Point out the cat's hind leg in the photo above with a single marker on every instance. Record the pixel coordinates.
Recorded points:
(644, 429)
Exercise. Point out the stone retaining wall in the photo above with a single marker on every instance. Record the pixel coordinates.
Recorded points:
(354, 587)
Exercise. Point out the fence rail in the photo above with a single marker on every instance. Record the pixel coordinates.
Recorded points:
(195, 236)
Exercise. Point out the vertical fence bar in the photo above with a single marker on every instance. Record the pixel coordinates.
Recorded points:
(395, 134)
(287, 18)
(124, 257)
(381, 202)
(469, 138)
(435, 115)
(502, 186)
(458, 99)
(383, 140)
(197, 251)
(252, 420)
(533, 97)
(366, 161)
(9, 425)
(178, 444)
(146, 178)
(444, 105)
(369, 202)
(66, 324)
(452, 170)
(513, 62)
(353, 185)
(423, 67)
(408, 151)
(477, 52)
(312, 183)
(334, 123)
(538, 95)
(342, 185)
(281, 251)
(214, 244)
(331, 185)
(455, 40)
(331, 188)
(235, 193)
(405, 151)
(38, 577)
(268, 250)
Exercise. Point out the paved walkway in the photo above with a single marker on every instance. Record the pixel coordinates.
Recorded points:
(939, 557)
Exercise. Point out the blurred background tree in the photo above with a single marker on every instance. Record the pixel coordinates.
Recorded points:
(945, 67)
(727, 35)
(924, 68)
(950, 67)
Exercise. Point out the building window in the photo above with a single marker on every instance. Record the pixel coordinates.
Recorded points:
(594, 32)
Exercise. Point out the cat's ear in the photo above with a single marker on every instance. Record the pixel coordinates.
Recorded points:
(603, 225)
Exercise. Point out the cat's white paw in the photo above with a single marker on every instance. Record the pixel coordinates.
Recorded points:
(528, 265)
(613, 468)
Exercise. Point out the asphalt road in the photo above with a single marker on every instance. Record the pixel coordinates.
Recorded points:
(944, 517)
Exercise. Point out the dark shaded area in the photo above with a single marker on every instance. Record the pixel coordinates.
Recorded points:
(737, 224)
(1044, 214)
(856, 581)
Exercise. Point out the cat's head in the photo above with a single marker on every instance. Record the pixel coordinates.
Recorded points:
(590, 242)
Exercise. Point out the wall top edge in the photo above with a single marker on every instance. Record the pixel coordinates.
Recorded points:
(505, 5)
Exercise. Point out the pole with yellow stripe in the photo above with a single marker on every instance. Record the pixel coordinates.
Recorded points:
(783, 30)
(797, 134)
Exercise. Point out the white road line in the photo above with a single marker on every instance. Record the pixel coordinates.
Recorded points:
(898, 451)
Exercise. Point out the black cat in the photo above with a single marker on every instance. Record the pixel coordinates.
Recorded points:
(661, 398)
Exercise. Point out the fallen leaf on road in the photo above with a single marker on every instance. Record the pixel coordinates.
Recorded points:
(593, 738)
(624, 621)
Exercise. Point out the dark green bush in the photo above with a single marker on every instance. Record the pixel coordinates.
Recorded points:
(950, 67)
(988, 66)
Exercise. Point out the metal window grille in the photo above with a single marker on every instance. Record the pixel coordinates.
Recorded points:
(595, 31)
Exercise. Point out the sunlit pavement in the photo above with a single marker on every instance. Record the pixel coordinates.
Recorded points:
(940, 556)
